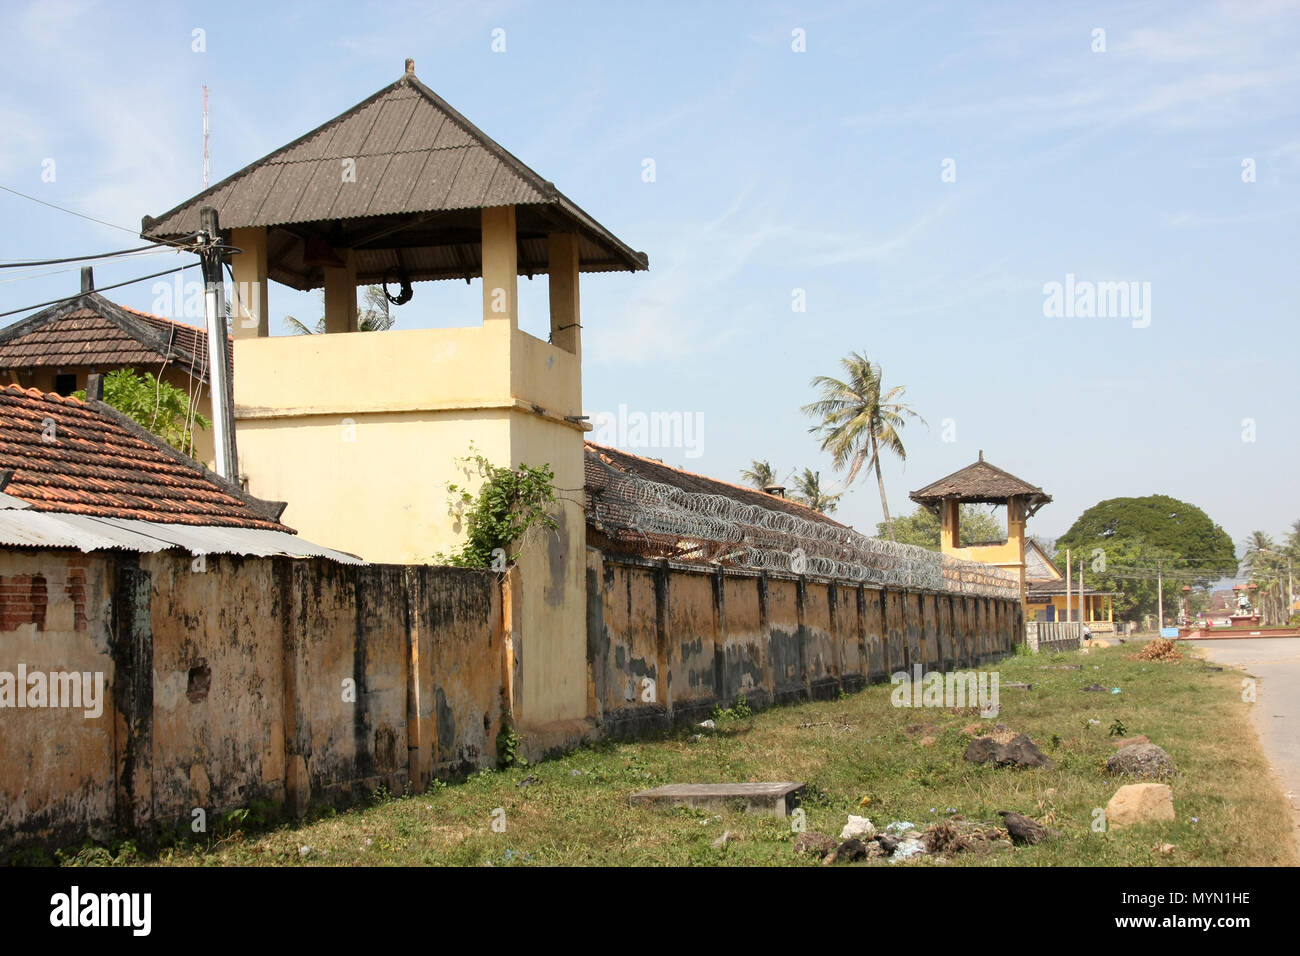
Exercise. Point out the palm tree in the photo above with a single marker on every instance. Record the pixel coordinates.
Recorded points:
(760, 474)
(859, 420)
(808, 490)
(375, 317)
(1264, 564)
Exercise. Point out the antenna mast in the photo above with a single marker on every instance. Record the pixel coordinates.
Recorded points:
(206, 165)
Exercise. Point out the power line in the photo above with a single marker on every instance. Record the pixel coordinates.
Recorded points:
(116, 285)
(73, 212)
(23, 277)
(19, 263)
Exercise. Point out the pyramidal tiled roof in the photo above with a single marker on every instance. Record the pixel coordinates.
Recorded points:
(92, 330)
(73, 457)
(408, 152)
(980, 482)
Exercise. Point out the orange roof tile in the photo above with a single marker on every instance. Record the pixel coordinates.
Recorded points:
(87, 458)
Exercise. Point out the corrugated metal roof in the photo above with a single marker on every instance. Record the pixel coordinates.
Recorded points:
(26, 528)
(412, 153)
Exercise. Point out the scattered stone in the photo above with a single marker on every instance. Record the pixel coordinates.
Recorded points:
(720, 842)
(1126, 741)
(696, 738)
(907, 850)
(304, 851)
(1140, 803)
(900, 828)
(1022, 829)
(707, 725)
(1019, 751)
(1165, 849)
(1099, 688)
(814, 844)
(846, 852)
(1146, 761)
(530, 779)
(857, 828)
(876, 849)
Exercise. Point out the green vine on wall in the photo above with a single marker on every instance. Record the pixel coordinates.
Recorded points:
(509, 503)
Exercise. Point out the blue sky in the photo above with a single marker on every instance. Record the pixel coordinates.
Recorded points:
(778, 170)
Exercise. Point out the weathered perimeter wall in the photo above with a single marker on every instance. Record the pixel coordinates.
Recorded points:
(667, 642)
(228, 681)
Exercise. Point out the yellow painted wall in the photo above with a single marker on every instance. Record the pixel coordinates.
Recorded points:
(1009, 554)
(360, 432)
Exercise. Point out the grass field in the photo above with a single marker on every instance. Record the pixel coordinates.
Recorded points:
(574, 811)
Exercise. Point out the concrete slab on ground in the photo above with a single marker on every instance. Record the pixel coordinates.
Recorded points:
(777, 799)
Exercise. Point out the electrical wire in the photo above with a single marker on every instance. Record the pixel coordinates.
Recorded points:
(18, 263)
(183, 244)
(115, 285)
(152, 251)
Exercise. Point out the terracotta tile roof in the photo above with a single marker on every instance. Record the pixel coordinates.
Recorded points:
(981, 482)
(92, 330)
(653, 470)
(100, 463)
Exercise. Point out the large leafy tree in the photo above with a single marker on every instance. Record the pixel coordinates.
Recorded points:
(1127, 544)
(921, 527)
(859, 420)
(159, 406)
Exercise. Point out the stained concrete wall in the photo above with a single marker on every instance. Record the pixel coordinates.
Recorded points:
(707, 636)
(230, 681)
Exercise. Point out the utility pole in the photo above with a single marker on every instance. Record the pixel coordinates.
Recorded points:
(1069, 605)
(223, 400)
(1160, 593)
(1083, 601)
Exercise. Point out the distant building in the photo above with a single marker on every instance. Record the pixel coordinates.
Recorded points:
(57, 348)
(983, 483)
(1046, 598)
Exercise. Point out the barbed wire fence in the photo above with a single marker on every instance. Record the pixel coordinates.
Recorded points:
(692, 526)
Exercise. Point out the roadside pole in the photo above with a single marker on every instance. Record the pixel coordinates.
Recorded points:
(223, 426)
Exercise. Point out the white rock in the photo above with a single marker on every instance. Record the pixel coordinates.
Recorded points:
(859, 828)
(707, 724)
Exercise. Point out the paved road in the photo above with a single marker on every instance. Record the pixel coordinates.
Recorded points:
(1275, 663)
